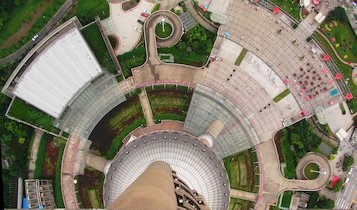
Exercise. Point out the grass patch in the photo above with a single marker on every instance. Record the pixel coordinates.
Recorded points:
(290, 7)
(96, 43)
(240, 170)
(163, 32)
(132, 59)
(282, 95)
(241, 56)
(92, 195)
(169, 103)
(57, 183)
(308, 173)
(289, 157)
(28, 113)
(21, 14)
(346, 70)
(191, 58)
(286, 200)
(156, 7)
(41, 155)
(239, 204)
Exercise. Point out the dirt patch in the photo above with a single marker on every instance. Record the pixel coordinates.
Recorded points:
(278, 147)
(26, 26)
(114, 41)
(49, 166)
(129, 4)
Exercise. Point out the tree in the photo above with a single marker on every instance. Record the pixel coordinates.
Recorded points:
(325, 203)
(347, 162)
(339, 14)
(338, 186)
(181, 45)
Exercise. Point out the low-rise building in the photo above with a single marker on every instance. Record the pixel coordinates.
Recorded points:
(39, 193)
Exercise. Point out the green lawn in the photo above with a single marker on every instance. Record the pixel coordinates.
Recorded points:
(134, 58)
(289, 6)
(169, 103)
(289, 157)
(86, 10)
(41, 155)
(286, 199)
(346, 70)
(241, 56)
(163, 32)
(282, 95)
(308, 168)
(241, 172)
(96, 43)
(28, 113)
(21, 14)
(239, 204)
(191, 58)
(346, 40)
(57, 183)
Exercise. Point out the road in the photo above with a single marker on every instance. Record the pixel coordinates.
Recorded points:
(349, 195)
(45, 30)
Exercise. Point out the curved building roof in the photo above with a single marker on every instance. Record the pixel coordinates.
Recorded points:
(195, 164)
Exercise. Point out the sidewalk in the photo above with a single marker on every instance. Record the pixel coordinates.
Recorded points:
(34, 149)
(144, 101)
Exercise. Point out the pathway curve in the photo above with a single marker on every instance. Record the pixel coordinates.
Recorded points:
(145, 104)
(34, 150)
(243, 195)
(312, 157)
(201, 20)
(272, 181)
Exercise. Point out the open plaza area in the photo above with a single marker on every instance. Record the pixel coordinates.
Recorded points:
(182, 104)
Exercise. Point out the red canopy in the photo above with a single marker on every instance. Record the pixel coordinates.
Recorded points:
(303, 113)
(332, 102)
(326, 58)
(316, 2)
(338, 76)
(324, 71)
(286, 81)
(276, 10)
(302, 90)
(349, 96)
(334, 180)
(330, 81)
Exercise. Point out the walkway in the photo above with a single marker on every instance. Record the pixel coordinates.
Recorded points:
(273, 183)
(312, 157)
(34, 150)
(201, 20)
(45, 30)
(145, 104)
(243, 195)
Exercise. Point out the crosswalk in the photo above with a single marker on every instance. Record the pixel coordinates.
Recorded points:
(341, 203)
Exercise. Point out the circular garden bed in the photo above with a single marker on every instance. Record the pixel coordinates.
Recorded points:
(310, 170)
(163, 32)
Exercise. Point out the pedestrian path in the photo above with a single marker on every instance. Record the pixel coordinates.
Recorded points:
(34, 150)
(145, 104)
(243, 195)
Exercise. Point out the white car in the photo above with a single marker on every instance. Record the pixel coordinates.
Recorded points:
(34, 37)
(147, 11)
(138, 29)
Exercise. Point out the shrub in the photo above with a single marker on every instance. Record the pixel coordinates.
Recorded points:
(347, 162)
(338, 186)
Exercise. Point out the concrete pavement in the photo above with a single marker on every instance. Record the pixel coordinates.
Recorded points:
(243, 195)
(145, 104)
(201, 20)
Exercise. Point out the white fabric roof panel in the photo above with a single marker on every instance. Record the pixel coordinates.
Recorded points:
(55, 76)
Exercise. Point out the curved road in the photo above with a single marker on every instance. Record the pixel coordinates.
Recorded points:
(312, 157)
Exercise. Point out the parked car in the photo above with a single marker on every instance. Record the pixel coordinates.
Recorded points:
(141, 22)
(144, 14)
(34, 37)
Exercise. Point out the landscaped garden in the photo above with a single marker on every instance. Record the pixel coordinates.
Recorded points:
(109, 133)
(293, 143)
(30, 114)
(169, 102)
(21, 20)
(346, 70)
(134, 58)
(340, 34)
(242, 172)
(289, 6)
(239, 204)
(90, 187)
(163, 30)
(95, 41)
(311, 170)
(194, 47)
(319, 202)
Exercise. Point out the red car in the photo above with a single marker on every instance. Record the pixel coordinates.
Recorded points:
(144, 14)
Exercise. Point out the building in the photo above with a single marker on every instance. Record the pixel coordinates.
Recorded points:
(39, 193)
(167, 170)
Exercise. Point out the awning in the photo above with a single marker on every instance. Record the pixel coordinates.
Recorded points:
(338, 76)
(326, 57)
(349, 96)
(276, 10)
